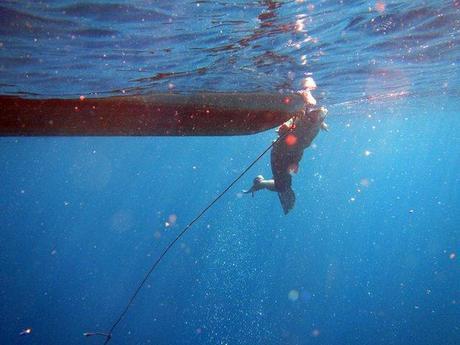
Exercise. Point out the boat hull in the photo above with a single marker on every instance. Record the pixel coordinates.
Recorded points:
(202, 114)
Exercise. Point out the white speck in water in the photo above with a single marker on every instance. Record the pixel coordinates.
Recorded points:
(293, 295)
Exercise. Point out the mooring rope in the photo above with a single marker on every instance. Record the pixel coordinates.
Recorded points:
(108, 335)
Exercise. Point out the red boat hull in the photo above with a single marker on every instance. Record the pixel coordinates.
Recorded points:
(206, 114)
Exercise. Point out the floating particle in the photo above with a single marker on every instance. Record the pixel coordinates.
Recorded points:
(452, 256)
(365, 182)
(26, 331)
(293, 295)
(352, 199)
(172, 219)
(167, 225)
(318, 176)
(367, 153)
(411, 210)
(53, 252)
(82, 98)
(315, 333)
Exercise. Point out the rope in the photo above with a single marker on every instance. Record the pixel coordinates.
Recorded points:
(108, 335)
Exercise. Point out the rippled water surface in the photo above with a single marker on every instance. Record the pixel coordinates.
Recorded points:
(353, 48)
(370, 253)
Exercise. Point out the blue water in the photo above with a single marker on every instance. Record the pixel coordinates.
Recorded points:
(369, 255)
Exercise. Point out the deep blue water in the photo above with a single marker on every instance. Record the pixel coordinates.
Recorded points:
(369, 255)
